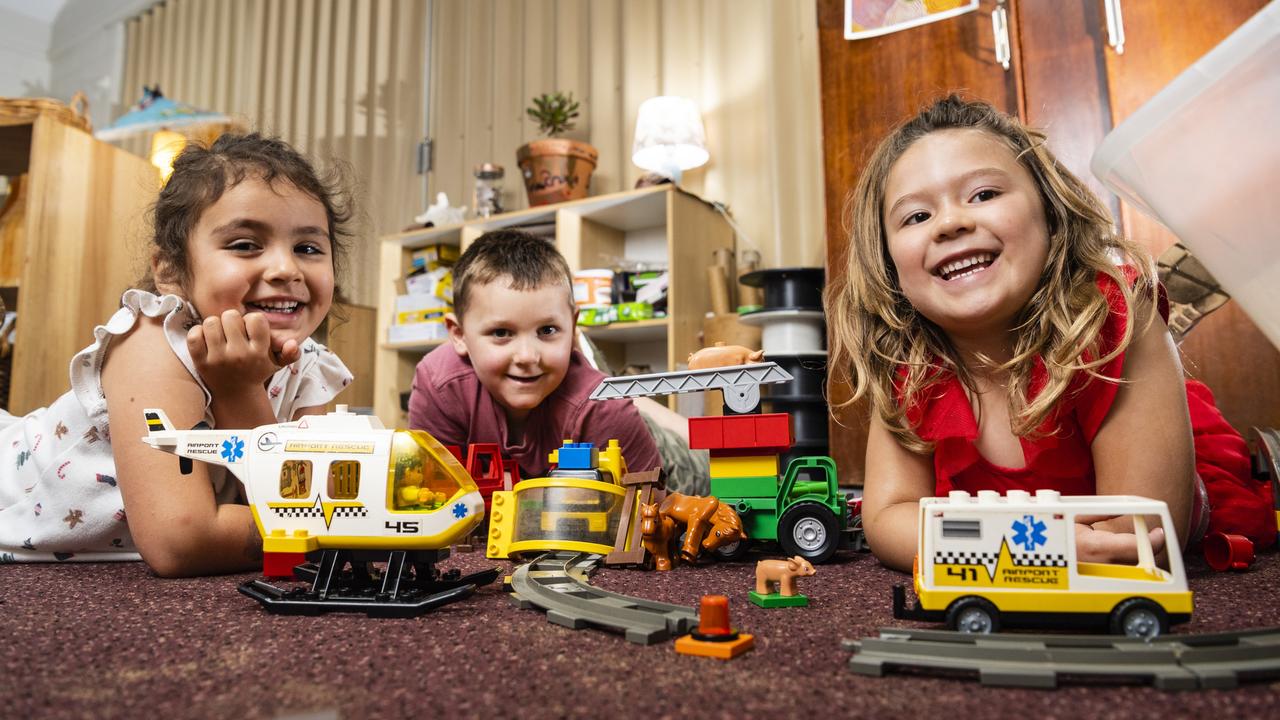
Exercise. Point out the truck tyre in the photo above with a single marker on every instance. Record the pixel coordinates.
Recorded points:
(810, 530)
(974, 615)
(1139, 618)
(733, 551)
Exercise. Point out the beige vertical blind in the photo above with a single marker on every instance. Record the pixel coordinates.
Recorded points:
(340, 79)
(751, 65)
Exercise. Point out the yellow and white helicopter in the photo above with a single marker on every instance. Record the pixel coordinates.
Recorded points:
(342, 489)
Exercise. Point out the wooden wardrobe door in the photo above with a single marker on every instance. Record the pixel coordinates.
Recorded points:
(1062, 80)
(868, 86)
(1226, 350)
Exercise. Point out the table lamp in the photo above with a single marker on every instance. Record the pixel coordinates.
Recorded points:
(669, 137)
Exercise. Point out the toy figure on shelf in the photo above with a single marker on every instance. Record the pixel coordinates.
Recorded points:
(708, 525)
(776, 582)
(721, 355)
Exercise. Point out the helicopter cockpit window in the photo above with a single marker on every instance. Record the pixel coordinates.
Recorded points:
(344, 479)
(420, 480)
(295, 479)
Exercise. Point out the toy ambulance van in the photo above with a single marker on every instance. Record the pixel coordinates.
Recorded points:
(990, 561)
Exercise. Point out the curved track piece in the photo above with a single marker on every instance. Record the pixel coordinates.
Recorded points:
(557, 583)
(1172, 662)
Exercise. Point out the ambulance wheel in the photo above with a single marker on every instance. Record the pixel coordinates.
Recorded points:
(973, 615)
(1139, 618)
(809, 530)
(733, 551)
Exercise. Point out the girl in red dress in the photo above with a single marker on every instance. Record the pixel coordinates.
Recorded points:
(1007, 338)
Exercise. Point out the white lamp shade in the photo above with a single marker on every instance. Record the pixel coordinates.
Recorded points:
(669, 136)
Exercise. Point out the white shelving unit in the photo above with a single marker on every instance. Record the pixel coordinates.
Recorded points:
(656, 224)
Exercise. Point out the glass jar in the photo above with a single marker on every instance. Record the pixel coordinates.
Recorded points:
(487, 199)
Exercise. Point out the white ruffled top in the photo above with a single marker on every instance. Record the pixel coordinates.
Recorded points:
(58, 496)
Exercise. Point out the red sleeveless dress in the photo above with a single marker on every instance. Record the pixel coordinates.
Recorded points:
(1062, 460)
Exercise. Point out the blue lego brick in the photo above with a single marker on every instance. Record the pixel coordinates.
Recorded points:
(578, 456)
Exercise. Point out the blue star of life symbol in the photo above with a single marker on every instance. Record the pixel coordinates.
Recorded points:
(1029, 533)
(233, 449)
(459, 510)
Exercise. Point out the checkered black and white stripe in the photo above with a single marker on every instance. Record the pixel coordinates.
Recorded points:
(350, 512)
(298, 512)
(964, 558)
(1040, 560)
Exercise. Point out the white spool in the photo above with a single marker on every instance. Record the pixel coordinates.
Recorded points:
(788, 332)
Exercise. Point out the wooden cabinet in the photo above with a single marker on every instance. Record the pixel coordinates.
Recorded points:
(1063, 77)
(658, 224)
(83, 243)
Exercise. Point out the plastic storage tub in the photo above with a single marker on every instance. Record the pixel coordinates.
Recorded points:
(1203, 158)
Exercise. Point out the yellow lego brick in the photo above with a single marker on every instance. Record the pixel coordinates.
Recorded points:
(502, 524)
(744, 466)
(299, 542)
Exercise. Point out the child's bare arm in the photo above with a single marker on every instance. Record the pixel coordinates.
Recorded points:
(896, 479)
(1144, 447)
(174, 519)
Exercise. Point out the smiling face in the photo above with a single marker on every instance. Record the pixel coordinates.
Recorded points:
(262, 248)
(519, 341)
(967, 233)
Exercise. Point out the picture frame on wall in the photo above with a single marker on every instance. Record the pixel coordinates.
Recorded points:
(871, 18)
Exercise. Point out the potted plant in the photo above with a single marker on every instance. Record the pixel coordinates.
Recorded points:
(555, 169)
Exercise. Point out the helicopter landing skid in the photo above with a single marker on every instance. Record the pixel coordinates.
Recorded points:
(343, 581)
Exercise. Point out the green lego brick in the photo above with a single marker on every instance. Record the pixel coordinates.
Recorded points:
(776, 600)
(748, 487)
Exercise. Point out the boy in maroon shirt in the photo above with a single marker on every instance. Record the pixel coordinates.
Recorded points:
(510, 374)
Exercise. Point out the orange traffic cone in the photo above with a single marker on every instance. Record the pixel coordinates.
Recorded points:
(714, 636)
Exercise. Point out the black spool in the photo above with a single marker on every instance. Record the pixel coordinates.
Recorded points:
(809, 371)
(797, 288)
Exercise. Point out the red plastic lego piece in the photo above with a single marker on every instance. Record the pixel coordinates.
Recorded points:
(456, 451)
(281, 564)
(486, 465)
(768, 431)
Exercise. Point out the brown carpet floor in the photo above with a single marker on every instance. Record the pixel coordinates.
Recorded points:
(111, 640)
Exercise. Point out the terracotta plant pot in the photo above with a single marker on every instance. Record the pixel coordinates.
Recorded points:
(556, 169)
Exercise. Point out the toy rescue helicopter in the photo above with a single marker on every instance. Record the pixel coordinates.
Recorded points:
(342, 491)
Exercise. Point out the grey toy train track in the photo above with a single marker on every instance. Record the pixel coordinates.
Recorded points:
(1172, 662)
(557, 583)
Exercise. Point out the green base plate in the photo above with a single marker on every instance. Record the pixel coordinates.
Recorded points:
(777, 600)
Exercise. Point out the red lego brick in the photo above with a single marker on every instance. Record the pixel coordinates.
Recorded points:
(770, 431)
(456, 451)
(281, 564)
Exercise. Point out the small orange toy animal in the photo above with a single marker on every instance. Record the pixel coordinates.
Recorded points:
(656, 531)
(780, 575)
(709, 524)
(721, 355)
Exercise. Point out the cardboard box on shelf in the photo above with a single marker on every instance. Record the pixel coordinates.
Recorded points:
(593, 287)
(431, 330)
(435, 256)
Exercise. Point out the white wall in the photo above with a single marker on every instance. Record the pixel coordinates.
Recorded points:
(86, 52)
(24, 54)
(49, 48)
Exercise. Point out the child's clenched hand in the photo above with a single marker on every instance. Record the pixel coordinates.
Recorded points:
(233, 352)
